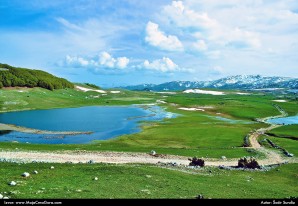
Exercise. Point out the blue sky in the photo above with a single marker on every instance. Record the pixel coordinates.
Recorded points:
(123, 42)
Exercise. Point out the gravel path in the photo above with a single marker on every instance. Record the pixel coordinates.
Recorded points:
(96, 157)
(272, 156)
(103, 157)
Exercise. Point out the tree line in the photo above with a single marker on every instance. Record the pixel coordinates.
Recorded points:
(92, 85)
(21, 77)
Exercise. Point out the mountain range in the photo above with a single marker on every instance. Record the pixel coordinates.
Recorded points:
(242, 82)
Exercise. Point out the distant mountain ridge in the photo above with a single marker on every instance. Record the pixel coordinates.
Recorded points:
(232, 82)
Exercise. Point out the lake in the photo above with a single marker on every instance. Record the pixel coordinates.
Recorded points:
(104, 122)
(284, 120)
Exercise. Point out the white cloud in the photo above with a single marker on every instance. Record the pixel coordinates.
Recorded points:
(68, 25)
(122, 62)
(103, 61)
(215, 54)
(106, 60)
(200, 45)
(214, 30)
(75, 61)
(164, 65)
(158, 38)
(184, 17)
(85, 37)
(217, 70)
(237, 37)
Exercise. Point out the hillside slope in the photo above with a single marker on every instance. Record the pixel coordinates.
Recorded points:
(21, 77)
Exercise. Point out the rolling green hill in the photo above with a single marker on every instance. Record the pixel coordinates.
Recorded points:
(21, 77)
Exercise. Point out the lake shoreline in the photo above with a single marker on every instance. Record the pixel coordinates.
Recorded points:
(129, 120)
(11, 127)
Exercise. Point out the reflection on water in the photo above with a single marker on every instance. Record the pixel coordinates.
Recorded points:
(4, 132)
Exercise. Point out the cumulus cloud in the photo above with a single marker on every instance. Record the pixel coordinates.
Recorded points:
(184, 17)
(76, 61)
(157, 38)
(213, 29)
(104, 60)
(122, 62)
(163, 65)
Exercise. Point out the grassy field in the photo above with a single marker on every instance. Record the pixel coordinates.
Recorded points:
(38, 98)
(285, 137)
(290, 145)
(144, 181)
(252, 106)
(190, 134)
(286, 131)
(237, 106)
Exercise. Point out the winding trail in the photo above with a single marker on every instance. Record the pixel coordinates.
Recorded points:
(272, 156)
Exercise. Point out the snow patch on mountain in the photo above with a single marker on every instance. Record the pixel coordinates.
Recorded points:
(242, 82)
(199, 91)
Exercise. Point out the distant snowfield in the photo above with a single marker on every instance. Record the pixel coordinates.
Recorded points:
(191, 109)
(268, 89)
(166, 92)
(115, 92)
(279, 100)
(84, 89)
(199, 91)
(205, 107)
(161, 101)
(243, 93)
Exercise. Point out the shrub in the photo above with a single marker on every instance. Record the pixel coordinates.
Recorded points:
(92, 85)
(246, 141)
(196, 162)
(248, 163)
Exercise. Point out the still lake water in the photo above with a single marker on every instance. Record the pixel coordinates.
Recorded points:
(284, 120)
(104, 122)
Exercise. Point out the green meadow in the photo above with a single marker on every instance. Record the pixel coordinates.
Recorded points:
(144, 181)
(285, 137)
(192, 133)
(286, 131)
